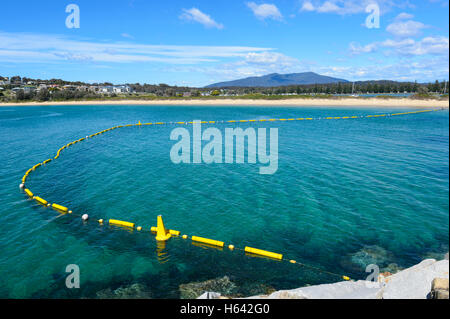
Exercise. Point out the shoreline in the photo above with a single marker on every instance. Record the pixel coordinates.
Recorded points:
(346, 102)
(425, 280)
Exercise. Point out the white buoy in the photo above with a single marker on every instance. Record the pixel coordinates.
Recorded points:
(85, 217)
(22, 185)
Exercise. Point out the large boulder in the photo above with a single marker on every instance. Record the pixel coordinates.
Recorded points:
(134, 291)
(360, 289)
(415, 282)
(223, 286)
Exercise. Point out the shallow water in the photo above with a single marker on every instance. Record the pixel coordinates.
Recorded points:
(346, 193)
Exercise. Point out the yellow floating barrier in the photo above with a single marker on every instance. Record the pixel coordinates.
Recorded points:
(60, 208)
(28, 192)
(41, 201)
(47, 161)
(121, 223)
(263, 253)
(208, 241)
(154, 229)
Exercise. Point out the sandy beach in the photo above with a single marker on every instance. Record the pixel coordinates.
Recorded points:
(346, 102)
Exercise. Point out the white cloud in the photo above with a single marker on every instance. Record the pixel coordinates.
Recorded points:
(404, 16)
(252, 64)
(356, 48)
(126, 35)
(346, 7)
(408, 28)
(307, 6)
(406, 69)
(329, 6)
(427, 46)
(437, 46)
(35, 48)
(196, 15)
(265, 10)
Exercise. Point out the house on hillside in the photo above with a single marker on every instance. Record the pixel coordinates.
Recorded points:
(106, 89)
(4, 81)
(122, 89)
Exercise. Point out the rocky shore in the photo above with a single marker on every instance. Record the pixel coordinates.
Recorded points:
(426, 280)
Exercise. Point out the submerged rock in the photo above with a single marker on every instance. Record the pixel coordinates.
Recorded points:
(134, 291)
(366, 256)
(223, 286)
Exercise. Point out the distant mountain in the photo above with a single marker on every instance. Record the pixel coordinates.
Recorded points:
(276, 79)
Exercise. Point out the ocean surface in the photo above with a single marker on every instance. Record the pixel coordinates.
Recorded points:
(347, 193)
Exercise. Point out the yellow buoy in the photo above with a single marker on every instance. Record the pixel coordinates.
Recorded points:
(60, 208)
(121, 223)
(162, 234)
(263, 253)
(41, 201)
(208, 241)
(28, 192)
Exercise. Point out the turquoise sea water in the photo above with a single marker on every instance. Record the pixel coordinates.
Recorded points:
(347, 193)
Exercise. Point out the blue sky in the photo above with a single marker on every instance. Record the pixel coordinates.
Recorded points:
(199, 42)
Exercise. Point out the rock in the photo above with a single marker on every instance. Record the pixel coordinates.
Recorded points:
(410, 283)
(439, 283)
(134, 291)
(223, 286)
(366, 256)
(415, 282)
(446, 256)
(439, 288)
(360, 289)
(252, 289)
(440, 294)
(391, 268)
(209, 295)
